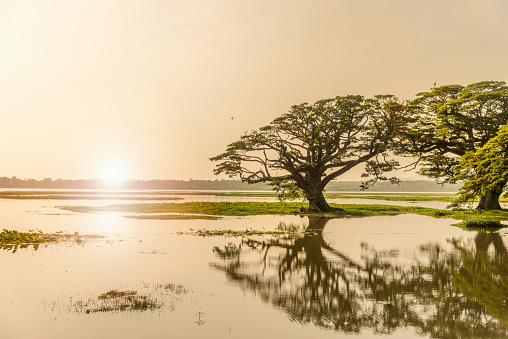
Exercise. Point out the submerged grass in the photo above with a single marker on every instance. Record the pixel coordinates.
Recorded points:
(236, 233)
(119, 301)
(162, 295)
(156, 210)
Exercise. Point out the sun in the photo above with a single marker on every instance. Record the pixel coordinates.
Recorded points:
(113, 171)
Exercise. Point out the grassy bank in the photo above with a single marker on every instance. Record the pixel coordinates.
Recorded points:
(161, 210)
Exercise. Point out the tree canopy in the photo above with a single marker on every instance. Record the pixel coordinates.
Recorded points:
(450, 121)
(313, 144)
(485, 171)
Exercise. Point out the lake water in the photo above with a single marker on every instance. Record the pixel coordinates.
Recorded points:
(405, 276)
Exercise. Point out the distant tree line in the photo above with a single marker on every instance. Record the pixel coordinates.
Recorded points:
(157, 184)
(48, 183)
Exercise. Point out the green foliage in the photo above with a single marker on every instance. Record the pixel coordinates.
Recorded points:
(286, 189)
(15, 237)
(483, 171)
(200, 207)
(480, 224)
(450, 121)
(313, 144)
(375, 169)
(266, 208)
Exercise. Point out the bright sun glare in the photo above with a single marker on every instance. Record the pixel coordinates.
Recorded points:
(113, 171)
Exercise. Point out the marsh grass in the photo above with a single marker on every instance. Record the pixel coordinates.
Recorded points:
(118, 301)
(487, 226)
(161, 210)
(160, 296)
(288, 230)
(202, 208)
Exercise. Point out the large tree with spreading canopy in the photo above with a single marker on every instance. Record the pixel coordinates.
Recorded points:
(314, 144)
(448, 122)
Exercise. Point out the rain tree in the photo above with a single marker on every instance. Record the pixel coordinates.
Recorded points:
(314, 144)
(484, 172)
(450, 121)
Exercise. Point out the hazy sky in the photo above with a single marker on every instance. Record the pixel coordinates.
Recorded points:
(146, 89)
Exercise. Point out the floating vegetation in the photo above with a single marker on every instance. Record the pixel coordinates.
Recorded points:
(30, 237)
(153, 252)
(118, 301)
(130, 301)
(12, 240)
(230, 233)
(282, 229)
(481, 225)
(270, 208)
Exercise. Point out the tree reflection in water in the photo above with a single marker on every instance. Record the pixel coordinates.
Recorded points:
(460, 291)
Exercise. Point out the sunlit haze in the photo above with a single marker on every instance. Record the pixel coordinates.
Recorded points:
(113, 171)
(151, 89)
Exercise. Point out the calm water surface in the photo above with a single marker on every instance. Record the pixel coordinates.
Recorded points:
(397, 277)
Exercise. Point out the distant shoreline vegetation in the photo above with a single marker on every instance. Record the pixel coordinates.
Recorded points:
(48, 183)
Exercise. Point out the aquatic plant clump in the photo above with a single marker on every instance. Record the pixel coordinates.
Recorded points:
(283, 229)
(231, 233)
(31, 237)
(130, 301)
(479, 225)
(115, 300)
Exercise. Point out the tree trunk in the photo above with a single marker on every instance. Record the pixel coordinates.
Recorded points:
(490, 201)
(317, 201)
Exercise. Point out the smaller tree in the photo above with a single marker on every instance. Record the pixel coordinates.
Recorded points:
(449, 121)
(484, 172)
(313, 144)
